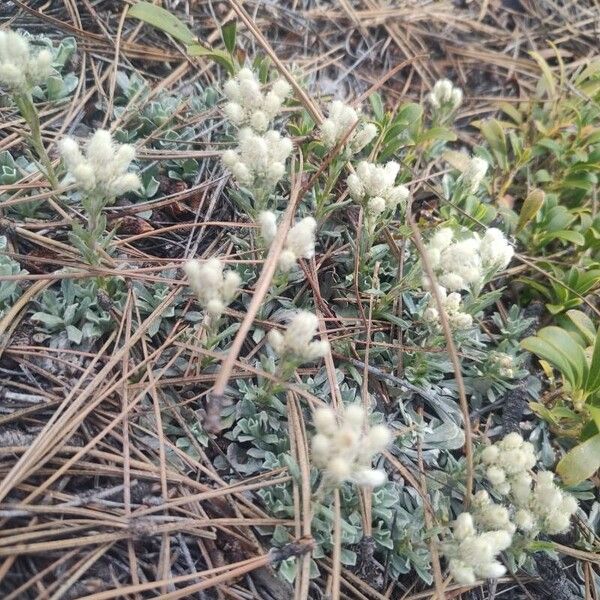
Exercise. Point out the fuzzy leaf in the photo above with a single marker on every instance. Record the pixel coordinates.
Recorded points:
(47, 319)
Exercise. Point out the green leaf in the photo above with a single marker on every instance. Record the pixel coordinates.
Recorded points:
(409, 113)
(531, 206)
(548, 352)
(377, 105)
(162, 19)
(47, 319)
(581, 462)
(569, 348)
(584, 324)
(595, 412)
(592, 383)
(511, 111)
(74, 334)
(548, 82)
(570, 236)
(228, 33)
(494, 134)
(437, 134)
(219, 56)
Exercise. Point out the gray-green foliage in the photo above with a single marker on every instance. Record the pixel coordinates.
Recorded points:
(10, 290)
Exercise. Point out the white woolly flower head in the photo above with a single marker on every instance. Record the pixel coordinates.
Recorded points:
(466, 263)
(249, 105)
(550, 506)
(299, 243)
(451, 303)
(540, 505)
(102, 167)
(474, 173)
(375, 187)
(444, 95)
(340, 119)
(507, 463)
(472, 552)
(496, 252)
(344, 450)
(214, 287)
(259, 160)
(21, 65)
(297, 343)
(268, 226)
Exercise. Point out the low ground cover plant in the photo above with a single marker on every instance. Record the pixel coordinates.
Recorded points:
(386, 393)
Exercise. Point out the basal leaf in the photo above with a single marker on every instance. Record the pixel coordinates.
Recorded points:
(592, 383)
(581, 462)
(584, 325)
(569, 348)
(543, 349)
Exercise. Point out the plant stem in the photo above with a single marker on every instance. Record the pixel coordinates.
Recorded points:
(336, 556)
(29, 112)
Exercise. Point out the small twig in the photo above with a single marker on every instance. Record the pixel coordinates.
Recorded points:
(464, 405)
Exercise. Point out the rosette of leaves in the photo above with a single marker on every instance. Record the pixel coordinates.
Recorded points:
(73, 314)
(574, 351)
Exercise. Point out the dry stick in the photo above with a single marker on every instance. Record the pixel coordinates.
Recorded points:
(464, 406)
(232, 571)
(85, 564)
(301, 494)
(131, 555)
(262, 287)
(163, 562)
(438, 578)
(312, 108)
(94, 441)
(38, 451)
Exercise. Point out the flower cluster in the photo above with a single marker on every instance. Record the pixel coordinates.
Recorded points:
(345, 451)
(375, 187)
(21, 67)
(340, 119)
(299, 243)
(503, 363)
(507, 463)
(539, 506)
(214, 287)
(258, 162)
(490, 516)
(547, 509)
(474, 173)
(102, 168)
(248, 105)
(466, 263)
(452, 307)
(472, 553)
(444, 95)
(268, 226)
(296, 343)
